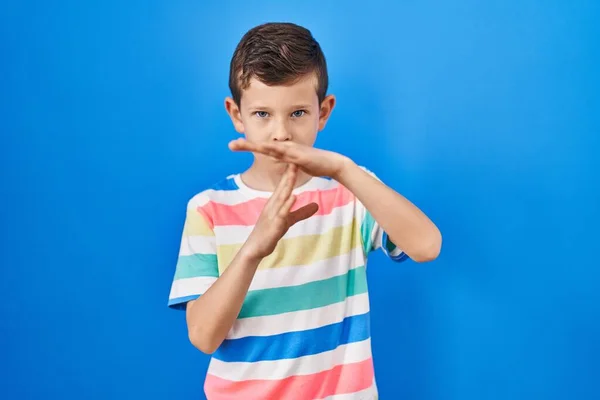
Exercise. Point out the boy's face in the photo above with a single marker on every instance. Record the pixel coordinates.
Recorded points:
(280, 113)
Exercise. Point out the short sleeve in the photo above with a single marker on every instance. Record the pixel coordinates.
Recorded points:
(196, 268)
(372, 234)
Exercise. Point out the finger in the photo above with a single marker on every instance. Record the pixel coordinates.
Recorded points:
(302, 213)
(290, 181)
(236, 144)
(271, 150)
(278, 151)
(285, 208)
(281, 150)
(286, 151)
(245, 145)
(285, 185)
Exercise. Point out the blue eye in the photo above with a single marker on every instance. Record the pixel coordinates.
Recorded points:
(261, 114)
(298, 113)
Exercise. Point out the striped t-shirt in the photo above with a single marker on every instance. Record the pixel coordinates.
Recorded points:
(303, 331)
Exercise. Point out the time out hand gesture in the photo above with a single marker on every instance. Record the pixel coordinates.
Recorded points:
(276, 218)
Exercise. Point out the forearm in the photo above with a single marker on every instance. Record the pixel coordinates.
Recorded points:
(406, 225)
(211, 316)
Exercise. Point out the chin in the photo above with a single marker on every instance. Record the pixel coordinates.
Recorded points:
(275, 161)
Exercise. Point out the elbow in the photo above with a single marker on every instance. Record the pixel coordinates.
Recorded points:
(203, 342)
(202, 335)
(431, 250)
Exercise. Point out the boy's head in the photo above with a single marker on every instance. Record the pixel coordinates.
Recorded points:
(278, 81)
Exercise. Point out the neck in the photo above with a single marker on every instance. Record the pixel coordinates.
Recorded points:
(266, 177)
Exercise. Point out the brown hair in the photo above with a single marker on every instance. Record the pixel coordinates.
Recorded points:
(277, 53)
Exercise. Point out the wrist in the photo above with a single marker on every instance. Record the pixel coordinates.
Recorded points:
(249, 255)
(344, 170)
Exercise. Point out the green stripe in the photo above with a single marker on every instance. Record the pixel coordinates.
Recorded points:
(304, 297)
(366, 231)
(389, 245)
(196, 265)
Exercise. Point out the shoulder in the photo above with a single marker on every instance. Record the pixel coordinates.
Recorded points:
(224, 191)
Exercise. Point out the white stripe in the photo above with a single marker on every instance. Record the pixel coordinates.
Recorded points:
(396, 252)
(233, 197)
(377, 236)
(315, 225)
(301, 274)
(227, 197)
(316, 183)
(198, 245)
(232, 234)
(280, 369)
(300, 320)
(367, 394)
(190, 286)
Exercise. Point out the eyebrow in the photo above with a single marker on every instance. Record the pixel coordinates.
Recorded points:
(294, 107)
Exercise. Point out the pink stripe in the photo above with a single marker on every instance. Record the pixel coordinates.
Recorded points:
(247, 213)
(341, 379)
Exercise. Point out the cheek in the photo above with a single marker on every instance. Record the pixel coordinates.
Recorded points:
(254, 129)
(306, 131)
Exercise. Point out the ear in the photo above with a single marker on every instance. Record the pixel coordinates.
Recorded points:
(234, 113)
(327, 106)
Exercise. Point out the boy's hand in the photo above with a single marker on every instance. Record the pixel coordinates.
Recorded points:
(276, 218)
(313, 161)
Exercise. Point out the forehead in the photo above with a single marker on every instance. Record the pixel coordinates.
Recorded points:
(260, 94)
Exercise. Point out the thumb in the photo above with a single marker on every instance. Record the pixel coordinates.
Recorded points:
(302, 213)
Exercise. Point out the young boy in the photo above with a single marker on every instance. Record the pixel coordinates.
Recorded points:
(271, 270)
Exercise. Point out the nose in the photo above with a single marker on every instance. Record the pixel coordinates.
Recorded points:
(281, 133)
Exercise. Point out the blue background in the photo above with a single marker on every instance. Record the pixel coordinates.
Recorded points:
(485, 114)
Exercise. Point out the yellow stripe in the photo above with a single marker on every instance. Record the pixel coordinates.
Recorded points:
(196, 224)
(302, 250)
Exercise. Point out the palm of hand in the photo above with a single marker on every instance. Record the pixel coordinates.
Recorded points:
(276, 218)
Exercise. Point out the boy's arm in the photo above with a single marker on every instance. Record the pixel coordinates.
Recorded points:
(405, 224)
(407, 227)
(211, 316)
